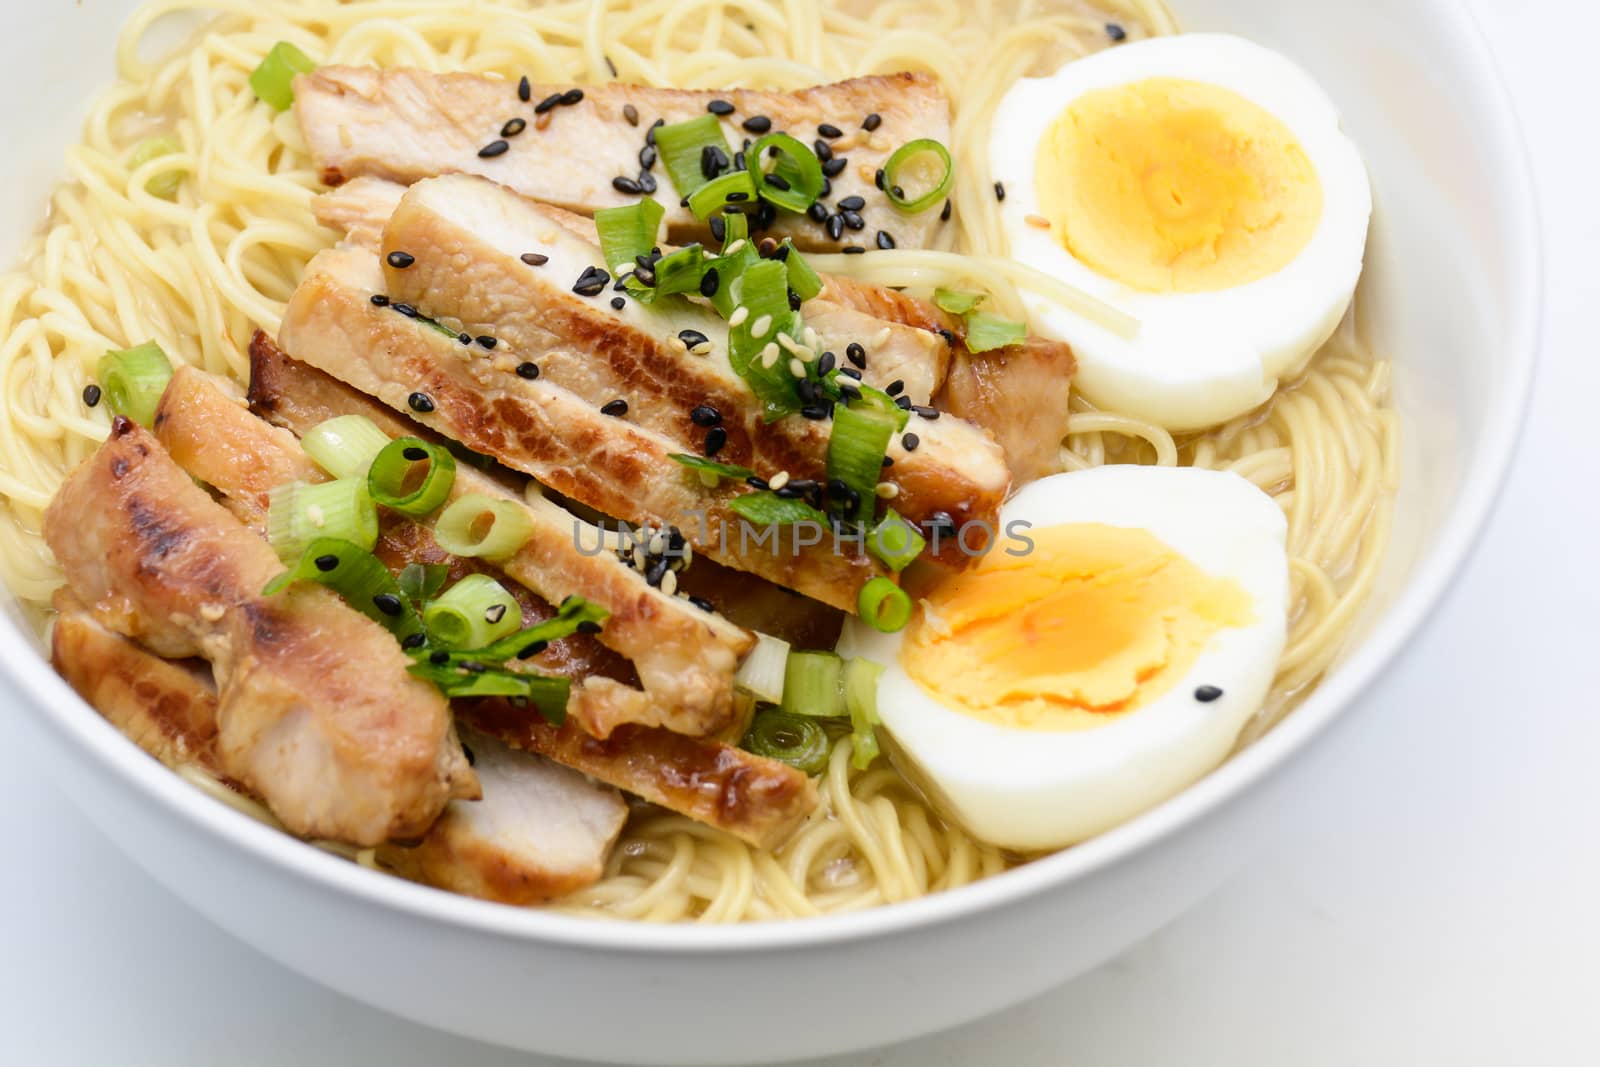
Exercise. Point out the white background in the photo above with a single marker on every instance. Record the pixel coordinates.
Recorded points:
(1437, 903)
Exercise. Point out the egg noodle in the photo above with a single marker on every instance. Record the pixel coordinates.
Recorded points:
(116, 266)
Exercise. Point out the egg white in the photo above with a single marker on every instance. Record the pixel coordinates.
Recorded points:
(1198, 359)
(1034, 789)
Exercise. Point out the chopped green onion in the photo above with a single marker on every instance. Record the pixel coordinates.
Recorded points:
(475, 611)
(986, 331)
(763, 289)
(357, 576)
(455, 680)
(895, 542)
(795, 165)
(421, 582)
(856, 449)
(762, 672)
(800, 742)
(730, 268)
(861, 701)
(628, 232)
(300, 513)
(710, 468)
(411, 476)
(680, 146)
(711, 196)
(164, 185)
(133, 381)
(869, 398)
(273, 79)
(813, 685)
(345, 445)
(679, 271)
(956, 302)
(805, 282)
(482, 526)
(573, 615)
(766, 508)
(893, 177)
(885, 606)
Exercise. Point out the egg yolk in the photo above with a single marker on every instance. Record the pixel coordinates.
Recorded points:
(1174, 186)
(1095, 621)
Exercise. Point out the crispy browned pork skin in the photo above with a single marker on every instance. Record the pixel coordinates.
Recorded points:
(541, 831)
(406, 125)
(684, 657)
(316, 712)
(167, 708)
(756, 799)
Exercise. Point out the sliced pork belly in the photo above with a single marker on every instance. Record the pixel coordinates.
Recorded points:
(168, 709)
(541, 831)
(316, 713)
(684, 657)
(567, 443)
(406, 125)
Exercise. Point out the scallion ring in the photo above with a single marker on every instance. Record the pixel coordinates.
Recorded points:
(345, 445)
(133, 380)
(885, 606)
(800, 742)
(475, 611)
(482, 526)
(357, 576)
(300, 513)
(736, 187)
(892, 178)
(411, 476)
(795, 165)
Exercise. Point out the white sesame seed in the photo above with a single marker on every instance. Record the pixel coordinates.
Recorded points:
(779, 480)
(638, 557)
(797, 368)
(212, 612)
(810, 336)
(769, 355)
(733, 249)
(677, 345)
(887, 490)
(702, 349)
(669, 583)
(881, 338)
(805, 355)
(658, 544)
(761, 327)
(789, 344)
(738, 316)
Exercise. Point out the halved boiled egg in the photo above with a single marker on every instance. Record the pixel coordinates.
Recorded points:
(1200, 183)
(1104, 654)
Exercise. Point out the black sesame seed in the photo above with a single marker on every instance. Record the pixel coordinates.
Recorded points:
(856, 355)
(788, 492)
(910, 441)
(719, 228)
(657, 571)
(485, 341)
(1116, 32)
(572, 96)
(417, 640)
(878, 179)
(757, 483)
(647, 156)
(816, 212)
(738, 196)
(619, 302)
(852, 203)
(949, 337)
(854, 220)
(401, 260)
(827, 188)
(999, 190)
(387, 603)
(830, 131)
(535, 259)
(738, 161)
(777, 181)
(531, 650)
(885, 239)
(591, 281)
(650, 134)
(705, 416)
(710, 280)
(794, 300)
(807, 390)
(588, 626)
(492, 149)
(849, 390)
(631, 114)
(547, 104)
(91, 395)
(826, 362)
(464, 338)
(816, 412)
(610, 66)
(851, 373)
(414, 453)
(405, 309)
(853, 250)
(439, 658)
(903, 403)
(822, 149)
(702, 603)
(926, 412)
(379, 300)
(716, 437)
(834, 167)
(895, 388)
(690, 338)
(944, 213)
(835, 227)
(529, 371)
(524, 89)
(872, 122)
(472, 666)
(327, 563)
(757, 124)
(494, 613)
(626, 185)
(720, 107)
(647, 181)
(513, 127)
(615, 408)
(421, 403)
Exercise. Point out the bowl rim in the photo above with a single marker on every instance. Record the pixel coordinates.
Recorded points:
(75, 724)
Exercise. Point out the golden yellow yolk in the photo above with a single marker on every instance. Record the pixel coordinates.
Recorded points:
(1095, 621)
(1174, 186)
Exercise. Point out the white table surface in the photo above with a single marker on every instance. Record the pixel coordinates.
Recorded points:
(1437, 905)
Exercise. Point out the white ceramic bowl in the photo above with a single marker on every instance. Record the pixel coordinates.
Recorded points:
(1451, 290)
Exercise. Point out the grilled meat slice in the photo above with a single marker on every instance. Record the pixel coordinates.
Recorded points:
(685, 658)
(169, 709)
(406, 125)
(541, 831)
(316, 713)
